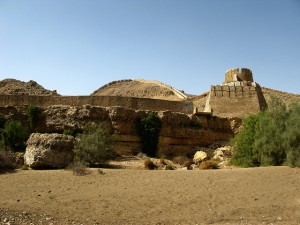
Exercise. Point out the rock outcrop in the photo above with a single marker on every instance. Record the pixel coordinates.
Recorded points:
(181, 134)
(49, 150)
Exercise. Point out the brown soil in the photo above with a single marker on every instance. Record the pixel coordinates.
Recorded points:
(268, 195)
(16, 87)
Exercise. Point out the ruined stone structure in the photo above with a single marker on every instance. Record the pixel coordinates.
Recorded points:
(238, 96)
(104, 101)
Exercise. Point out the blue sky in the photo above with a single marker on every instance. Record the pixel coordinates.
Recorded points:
(77, 46)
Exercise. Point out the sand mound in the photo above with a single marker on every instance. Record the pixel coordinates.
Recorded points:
(16, 87)
(140, 89)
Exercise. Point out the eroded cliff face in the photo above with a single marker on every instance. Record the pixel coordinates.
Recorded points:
(181, 134)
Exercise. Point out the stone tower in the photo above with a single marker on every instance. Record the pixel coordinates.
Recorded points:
(238, 96)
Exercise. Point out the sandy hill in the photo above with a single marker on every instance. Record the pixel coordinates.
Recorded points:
(140, 89)
(16, 87)
(288, 98)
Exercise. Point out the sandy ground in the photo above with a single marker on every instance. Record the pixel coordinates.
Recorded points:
(122, 196)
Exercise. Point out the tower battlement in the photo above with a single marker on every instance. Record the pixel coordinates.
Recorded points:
(238, 74)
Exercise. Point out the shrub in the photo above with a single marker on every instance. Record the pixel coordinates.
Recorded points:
(33, 113)
(209, 164)
(180, 159)
(148, 129)
(150, 165)
(6, 161)
(100, 172)
(79, 168)
(69, 132)
(24, 167)
(15, 135)
(196, 124)
(188, 165)
(162, 162)
(2, 121)
(95, 146)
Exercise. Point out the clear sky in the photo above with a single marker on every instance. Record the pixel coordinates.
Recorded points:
(76, 46)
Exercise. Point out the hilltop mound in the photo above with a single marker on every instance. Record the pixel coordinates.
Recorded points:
(140, 89)
(16, 87)
(287, 98)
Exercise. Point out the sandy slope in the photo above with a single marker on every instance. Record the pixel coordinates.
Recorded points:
(230, 196)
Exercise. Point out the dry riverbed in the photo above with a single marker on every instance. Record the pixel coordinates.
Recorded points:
(269, 195)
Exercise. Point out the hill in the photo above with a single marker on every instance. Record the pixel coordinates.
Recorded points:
(16, 87)
(140, 89)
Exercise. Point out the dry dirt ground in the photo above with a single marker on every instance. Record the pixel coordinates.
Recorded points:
(269, 195)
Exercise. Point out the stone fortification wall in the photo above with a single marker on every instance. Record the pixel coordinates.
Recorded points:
(176, 91)
(235, 101)
(112, 83)
(105, 101)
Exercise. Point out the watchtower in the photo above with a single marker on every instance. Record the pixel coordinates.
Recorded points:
(237, 96)
(238, 74)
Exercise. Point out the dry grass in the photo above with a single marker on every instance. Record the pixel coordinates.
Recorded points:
(150, 165)
(209, 164)
(188, 165)
(79, 169)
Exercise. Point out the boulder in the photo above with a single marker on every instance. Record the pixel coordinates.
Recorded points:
(199, 157)
(49, 150)
(223, 152)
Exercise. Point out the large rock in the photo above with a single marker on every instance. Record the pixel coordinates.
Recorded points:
(199, 157)
(49, 150)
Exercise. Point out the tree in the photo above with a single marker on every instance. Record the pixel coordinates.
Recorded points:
(33, 112)
(148, 129)
(269, 138)
(269, 133)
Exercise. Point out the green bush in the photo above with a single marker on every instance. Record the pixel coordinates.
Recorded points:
(292, 137)
(6, 161)
(69, 132)
(243, 142)
(95, 146)
(15, 135)
(148, 128)
(196, 124)
(33, 113)
(2, 121)
(269, 138)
